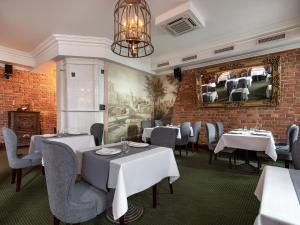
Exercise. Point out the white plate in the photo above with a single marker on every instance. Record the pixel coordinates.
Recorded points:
(108, 151)
(49, 135)
(138, 145)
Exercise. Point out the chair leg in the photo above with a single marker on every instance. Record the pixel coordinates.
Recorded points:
(197, 147)
(154, 190)
(186, 150)
(19, 179)
(13, 176)
(180, 152)
(286, 164)
(210, 157)
(171, 187)
(230, 165)
(43, 170)
(121, 220)
(216, 156)
(234, 158)
(55, 221)
(193, 147)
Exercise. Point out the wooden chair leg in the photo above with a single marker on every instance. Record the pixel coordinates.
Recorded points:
(55, 221)
(197, 147)
(286, 164)
(180, 152)
(121, 220)
(210, 157)
(19, 179)
(43, 170)
(186, 150)
(171, 188)
(230, 164)
(193, 147)
(154, 190)
(13, 176)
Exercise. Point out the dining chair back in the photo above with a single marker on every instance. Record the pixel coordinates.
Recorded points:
(164, 136)
(18, 162)
(238, 96)
(230, 85)
(97, 131)
(206, 98)
(69, 202)
(195, 138)
(242, 83)
(296, 155)
(158, 123)
(220, 129)
(145, 124)
(211, 134)
(294, 132)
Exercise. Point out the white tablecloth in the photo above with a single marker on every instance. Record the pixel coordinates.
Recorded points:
(78, 143)
(147, 132)
(248, 142)
(279, 202)
(138, 172)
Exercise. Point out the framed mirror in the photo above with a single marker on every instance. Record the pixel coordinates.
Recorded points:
(249, 82)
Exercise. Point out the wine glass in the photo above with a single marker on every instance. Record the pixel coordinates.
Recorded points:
(124, 144)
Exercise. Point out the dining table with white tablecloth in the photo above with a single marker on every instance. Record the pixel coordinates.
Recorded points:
(253, 140)
(78, 143)
(133, 173)
(277, 194)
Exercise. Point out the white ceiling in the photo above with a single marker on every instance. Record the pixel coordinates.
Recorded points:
(25, 24)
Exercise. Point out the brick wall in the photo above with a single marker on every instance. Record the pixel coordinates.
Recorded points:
(275, 119)
(37, 90)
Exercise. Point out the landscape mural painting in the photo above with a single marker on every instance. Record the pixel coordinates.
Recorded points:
(134, 96)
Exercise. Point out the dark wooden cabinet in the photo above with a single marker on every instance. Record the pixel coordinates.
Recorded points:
(24, 124)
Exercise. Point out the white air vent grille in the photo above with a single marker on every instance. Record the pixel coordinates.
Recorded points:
(181, 26)
(163, 64)
(271, 38)
(221, 50)
(189, 58)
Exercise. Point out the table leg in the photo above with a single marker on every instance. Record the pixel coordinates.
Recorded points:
(247, 167)
(154, 191)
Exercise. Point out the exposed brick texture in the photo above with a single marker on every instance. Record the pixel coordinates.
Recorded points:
(275, 119)
(37, 90)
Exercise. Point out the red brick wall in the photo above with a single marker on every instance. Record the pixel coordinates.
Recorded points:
(275, 119)
(37, 90)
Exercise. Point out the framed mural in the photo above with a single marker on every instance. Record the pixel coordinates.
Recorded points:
(249, 82)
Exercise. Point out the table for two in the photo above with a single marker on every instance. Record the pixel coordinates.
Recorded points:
(127, 175)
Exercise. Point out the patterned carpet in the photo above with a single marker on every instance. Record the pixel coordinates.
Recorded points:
(204, 195)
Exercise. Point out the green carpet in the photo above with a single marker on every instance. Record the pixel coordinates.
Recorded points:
(204, 195)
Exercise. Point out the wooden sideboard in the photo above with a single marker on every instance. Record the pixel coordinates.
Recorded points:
(24, 124)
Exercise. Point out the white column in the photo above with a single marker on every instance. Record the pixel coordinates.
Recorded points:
(80, 91)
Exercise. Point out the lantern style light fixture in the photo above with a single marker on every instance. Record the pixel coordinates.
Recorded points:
(132, 29)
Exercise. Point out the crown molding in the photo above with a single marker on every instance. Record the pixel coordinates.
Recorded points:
(58, 45)
(243, 47)
(13, 56)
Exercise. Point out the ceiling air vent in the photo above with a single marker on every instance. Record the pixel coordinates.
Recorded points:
(163, 64)
(189, 58)
(182, 19)
(221, 50)
(271, 38)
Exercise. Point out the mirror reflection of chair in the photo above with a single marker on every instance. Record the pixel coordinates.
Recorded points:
(206, 98)
(230, 86)
(238, 96)
(211, 89)
(242, 83)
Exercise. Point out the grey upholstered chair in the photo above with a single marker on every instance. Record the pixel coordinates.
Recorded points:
(97, 131)
(184, 140)
(158, 123)
(18, 162)
(206, 98)
(286, 155)
(70, 202)
(145, 124)
(220, 129)
(238, 96)
(284, 151)
(165, 137)
(195, 139)
(296, 155)
(211, 89)
(211, 143)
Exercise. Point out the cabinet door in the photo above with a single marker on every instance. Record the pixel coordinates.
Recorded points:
(26, 122)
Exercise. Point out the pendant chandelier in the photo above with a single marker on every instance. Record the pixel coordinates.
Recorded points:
(132, 29)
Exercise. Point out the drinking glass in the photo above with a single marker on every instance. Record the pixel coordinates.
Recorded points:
(124, 143)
